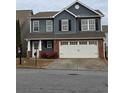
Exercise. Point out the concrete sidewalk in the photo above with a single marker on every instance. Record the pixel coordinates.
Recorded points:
(78, 64)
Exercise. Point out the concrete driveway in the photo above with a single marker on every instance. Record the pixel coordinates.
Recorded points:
(60, 81)
(78, 64)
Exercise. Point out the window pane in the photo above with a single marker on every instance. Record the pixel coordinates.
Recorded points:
(35, 25)
(64, 25)
(64, 43)
(73, 43)
(83, 42)
(84, 24)
(91, 24)
(49, 25)
(49, 44)
(91, 21)
(93, 42)
(35, 28)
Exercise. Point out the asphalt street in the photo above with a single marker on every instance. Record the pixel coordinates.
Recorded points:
(60, 81)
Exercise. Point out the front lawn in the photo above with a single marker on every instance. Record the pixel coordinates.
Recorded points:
(33, 63)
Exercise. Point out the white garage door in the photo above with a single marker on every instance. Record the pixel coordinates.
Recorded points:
(78, 49)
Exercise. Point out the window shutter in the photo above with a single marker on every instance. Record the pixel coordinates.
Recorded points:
(79, 25)
(59, 25)
(69, 25)
(97, 24)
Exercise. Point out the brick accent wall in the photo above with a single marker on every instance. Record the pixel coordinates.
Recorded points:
(56, 46)
(101, 48)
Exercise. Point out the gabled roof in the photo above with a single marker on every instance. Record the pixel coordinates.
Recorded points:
(53, 14)
(66, 11)
(77, 1)
(99, 12)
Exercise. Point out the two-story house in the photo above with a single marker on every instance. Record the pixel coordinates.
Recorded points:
(74, 32)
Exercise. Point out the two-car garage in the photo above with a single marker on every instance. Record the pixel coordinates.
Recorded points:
(78, 49)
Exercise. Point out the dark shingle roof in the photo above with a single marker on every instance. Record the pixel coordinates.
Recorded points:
(88, 35)
(99, 12)
(45, 14)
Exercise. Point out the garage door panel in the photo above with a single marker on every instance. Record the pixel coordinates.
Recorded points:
(78, 51)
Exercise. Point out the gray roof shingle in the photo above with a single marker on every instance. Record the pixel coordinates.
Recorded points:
(82, 35)
(45, 14)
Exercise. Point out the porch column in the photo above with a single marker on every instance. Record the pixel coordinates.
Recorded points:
(29, 46)
(28, 49)
(40, 48)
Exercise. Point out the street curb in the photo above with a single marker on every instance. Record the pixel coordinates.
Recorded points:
(63, 69)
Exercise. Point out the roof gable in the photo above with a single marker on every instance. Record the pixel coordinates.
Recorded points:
(66, 11)
(76, 13)
(91, 11)
(84, 6)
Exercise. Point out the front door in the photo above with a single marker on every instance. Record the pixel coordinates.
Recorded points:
(35, 49)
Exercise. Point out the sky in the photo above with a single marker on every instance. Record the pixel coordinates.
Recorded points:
(57, 5)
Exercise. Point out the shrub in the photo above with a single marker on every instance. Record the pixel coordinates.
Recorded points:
(49, 55)
(43, 54)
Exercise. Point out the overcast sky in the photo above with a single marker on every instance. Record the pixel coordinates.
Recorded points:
(57, 5)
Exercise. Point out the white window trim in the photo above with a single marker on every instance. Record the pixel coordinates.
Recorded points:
(49, 43)
(88, 29)
(64, 24)
(83, 24)
(92, 24)
(47, 30)
(33, 26)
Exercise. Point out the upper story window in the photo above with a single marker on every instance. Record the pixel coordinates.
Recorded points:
(88, 25)
(84, 24)
(92, 24)
(35, 26)
(65, 24)
(49, 26)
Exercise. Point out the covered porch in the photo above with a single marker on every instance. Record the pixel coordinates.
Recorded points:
(38, 46)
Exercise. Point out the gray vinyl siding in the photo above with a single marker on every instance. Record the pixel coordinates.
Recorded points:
(99, 23)
(64, 15)
(82, 11)
(42, 25)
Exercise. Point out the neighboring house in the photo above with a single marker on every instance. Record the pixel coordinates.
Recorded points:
(74, 32)
(105, 30)
(24, 19)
